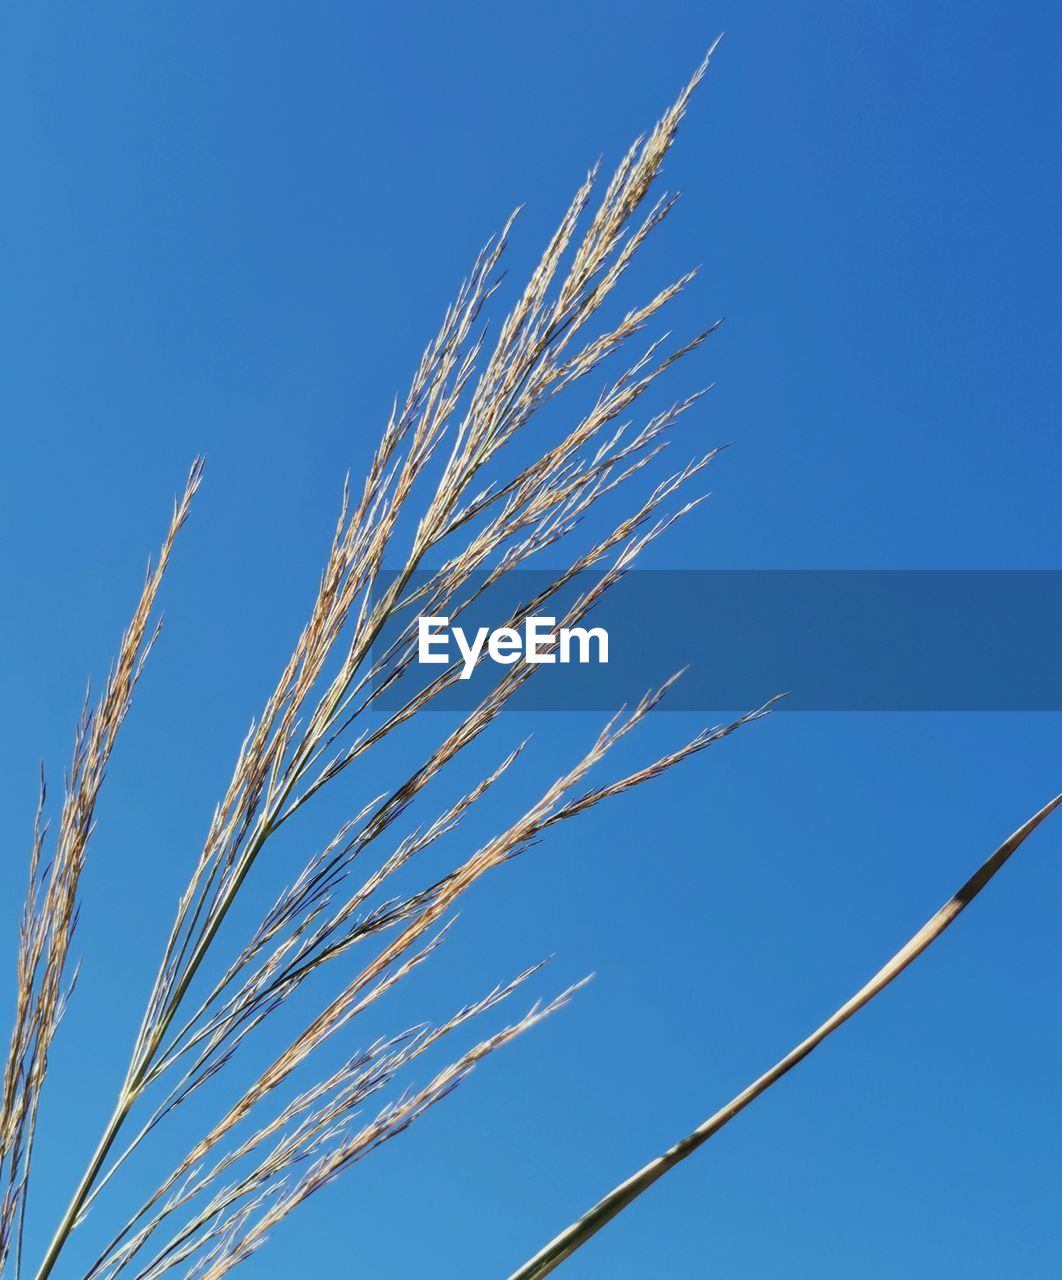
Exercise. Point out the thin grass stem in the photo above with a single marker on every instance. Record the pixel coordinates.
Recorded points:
(562, 1246)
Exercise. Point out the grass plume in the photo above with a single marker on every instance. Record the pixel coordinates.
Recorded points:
(51, 910)
(446, 500)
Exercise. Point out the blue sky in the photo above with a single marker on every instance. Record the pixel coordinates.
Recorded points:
(230, 229)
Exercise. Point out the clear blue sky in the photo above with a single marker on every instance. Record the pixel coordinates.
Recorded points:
(230, 228)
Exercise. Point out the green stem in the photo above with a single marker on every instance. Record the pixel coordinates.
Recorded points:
(77, 1202)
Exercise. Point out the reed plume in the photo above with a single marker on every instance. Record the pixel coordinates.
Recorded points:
(444, 500)
(50, 915)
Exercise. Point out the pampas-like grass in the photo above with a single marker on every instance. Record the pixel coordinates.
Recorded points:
(443, 498)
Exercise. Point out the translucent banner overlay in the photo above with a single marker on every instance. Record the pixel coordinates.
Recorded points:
(834, 640)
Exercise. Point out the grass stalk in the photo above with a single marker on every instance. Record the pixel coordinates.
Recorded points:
(84, 1187)
(562, 1246)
